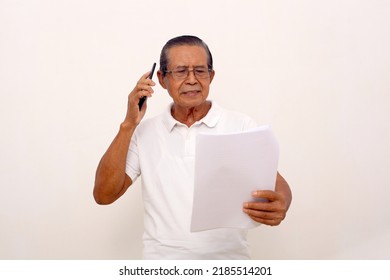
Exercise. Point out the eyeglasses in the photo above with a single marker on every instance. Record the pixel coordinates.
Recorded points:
(183, 72)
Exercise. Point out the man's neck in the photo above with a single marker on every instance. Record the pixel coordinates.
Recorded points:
(190, 115)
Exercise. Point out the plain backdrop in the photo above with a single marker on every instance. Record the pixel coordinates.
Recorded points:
(317, 71)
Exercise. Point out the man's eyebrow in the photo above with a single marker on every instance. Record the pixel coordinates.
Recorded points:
(195, 66)
(179, 66)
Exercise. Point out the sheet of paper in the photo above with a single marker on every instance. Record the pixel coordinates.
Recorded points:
(228, 168)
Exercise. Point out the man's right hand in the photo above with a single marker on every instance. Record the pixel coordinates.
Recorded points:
(142, 88)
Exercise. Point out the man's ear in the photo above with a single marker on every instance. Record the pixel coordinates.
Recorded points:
(161, 79)
(212, 74)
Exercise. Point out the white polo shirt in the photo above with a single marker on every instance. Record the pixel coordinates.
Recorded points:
(162, 151)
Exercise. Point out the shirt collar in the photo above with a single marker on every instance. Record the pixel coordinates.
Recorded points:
(211, 119)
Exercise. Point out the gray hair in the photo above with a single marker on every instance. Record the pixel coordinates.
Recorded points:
(185, 40)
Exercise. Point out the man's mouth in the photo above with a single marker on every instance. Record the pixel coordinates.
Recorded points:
(191, 92)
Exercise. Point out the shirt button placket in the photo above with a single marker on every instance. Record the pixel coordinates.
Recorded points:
(190, 142)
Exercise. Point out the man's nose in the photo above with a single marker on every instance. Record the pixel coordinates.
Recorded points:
(191, 78)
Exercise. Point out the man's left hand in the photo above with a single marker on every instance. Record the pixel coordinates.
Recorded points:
(271, 212)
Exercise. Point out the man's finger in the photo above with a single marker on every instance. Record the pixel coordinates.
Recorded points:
(267, 194)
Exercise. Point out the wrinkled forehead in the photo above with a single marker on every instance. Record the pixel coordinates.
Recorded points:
(190, 56)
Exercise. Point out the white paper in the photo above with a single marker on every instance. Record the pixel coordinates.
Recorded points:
(228, 168)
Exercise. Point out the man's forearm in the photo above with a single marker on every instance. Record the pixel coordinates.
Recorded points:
(283, 188)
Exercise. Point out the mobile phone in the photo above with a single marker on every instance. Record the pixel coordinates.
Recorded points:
(143, 98)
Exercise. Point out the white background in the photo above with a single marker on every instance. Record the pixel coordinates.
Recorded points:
(317, 71)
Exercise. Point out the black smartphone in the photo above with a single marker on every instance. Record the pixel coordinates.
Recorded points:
(142, 99)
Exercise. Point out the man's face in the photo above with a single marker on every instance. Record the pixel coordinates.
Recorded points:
(189, 91)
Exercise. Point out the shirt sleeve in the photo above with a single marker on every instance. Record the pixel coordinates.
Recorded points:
(132, 162)
(250, 123)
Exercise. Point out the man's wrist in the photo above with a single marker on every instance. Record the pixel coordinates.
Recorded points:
(127, 127)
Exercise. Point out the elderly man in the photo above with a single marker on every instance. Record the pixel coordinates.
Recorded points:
(162, 151)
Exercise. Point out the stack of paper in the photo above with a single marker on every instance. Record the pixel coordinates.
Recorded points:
(228, 168)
